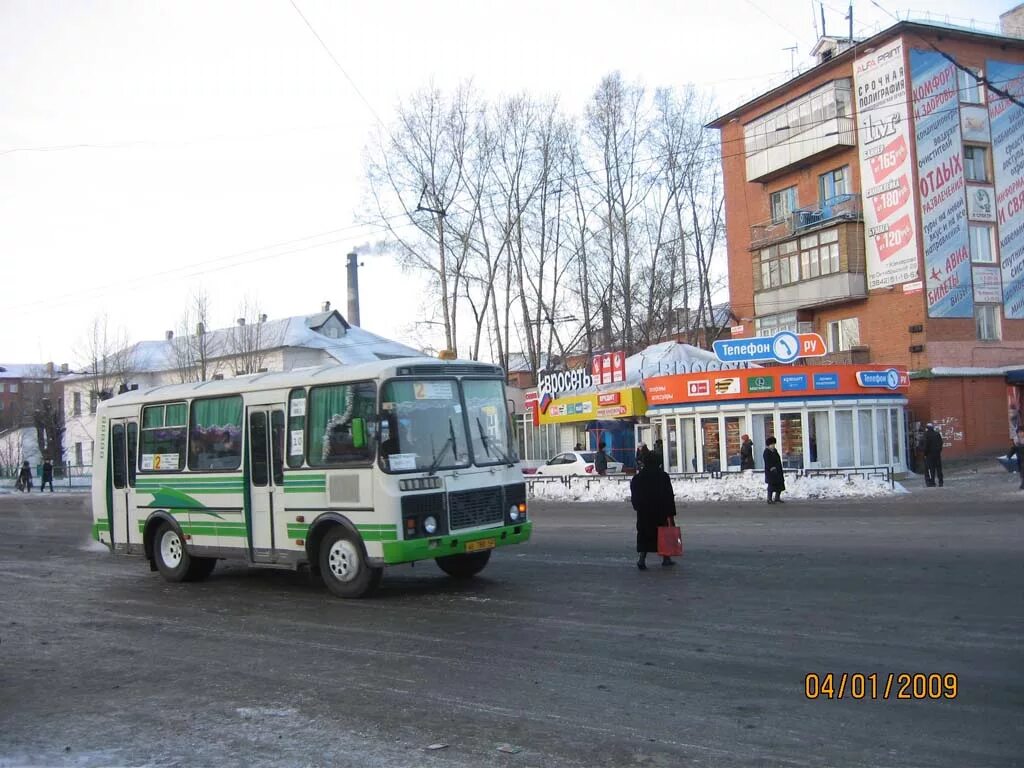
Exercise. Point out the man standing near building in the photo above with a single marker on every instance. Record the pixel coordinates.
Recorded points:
(932, 456)
(1017, 449)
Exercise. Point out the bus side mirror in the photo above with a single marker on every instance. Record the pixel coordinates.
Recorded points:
(358, 432)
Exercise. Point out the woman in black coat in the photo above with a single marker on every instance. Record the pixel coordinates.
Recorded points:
(652, 498)
(773, 474)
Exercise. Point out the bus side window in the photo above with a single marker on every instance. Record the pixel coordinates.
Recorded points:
(133, 451)
(117, 455)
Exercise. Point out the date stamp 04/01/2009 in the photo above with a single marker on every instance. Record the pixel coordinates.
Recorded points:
(904, 686)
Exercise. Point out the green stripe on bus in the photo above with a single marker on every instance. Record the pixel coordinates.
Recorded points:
(98, 527)
(420, 549)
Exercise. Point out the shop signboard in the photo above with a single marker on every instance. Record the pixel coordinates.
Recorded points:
(589, 406)
(765, 383)
(783, 347)
(981, 203)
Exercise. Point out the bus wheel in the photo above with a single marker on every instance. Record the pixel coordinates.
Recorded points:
(343, 565)
(464, 566)
(173, 560)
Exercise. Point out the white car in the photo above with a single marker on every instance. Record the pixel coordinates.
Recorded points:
(575, 463)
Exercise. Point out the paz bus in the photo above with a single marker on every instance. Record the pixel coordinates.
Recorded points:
(341, 470)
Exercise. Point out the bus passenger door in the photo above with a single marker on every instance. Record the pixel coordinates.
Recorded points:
(124, 441)
(266, 478)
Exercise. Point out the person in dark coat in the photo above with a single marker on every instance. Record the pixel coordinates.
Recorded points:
(641, 452)
(746, 452)
(1017, 449)
(650, 492)
(773, 474)
(25, 477)
(932, 456)
(47, 476)
(601, 461)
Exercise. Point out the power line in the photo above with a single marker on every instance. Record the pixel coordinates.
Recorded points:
(338, 64)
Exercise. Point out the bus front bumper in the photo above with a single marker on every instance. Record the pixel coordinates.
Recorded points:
(431, 547)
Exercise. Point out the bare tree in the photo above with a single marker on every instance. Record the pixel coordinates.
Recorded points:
(251, 340)
(196, 350)
(107, 358)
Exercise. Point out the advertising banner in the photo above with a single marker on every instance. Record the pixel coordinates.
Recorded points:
(770, 383)
(594, 405)
(981, 203)
(883, 138)
(988, 288)
(1007, 123)
(940, 175)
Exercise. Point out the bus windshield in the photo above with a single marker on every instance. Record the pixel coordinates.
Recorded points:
(423, 427)
(488, 422)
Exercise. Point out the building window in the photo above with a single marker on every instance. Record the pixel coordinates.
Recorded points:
(46, 388)
(969, 85)
(769, 325)
(94, 398)
(833, 184)
(986, 320)
(783, 203)
(76, 404)
(976, 163)
(780, 265)
(843, 335)
(819, 254)
(3, 386)
(981, 238)
(14, 388)
(78, 454)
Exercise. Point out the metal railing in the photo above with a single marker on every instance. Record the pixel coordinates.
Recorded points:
(835, 209)
(882, 473)
(65, 475)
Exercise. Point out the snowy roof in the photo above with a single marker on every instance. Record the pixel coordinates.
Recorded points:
(357, 345)
(25, 371)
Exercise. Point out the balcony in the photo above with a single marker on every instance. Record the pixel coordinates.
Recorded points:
(837, 288)
(834, 210)
(808, 127)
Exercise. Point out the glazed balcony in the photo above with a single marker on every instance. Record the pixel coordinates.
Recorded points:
(840, 208)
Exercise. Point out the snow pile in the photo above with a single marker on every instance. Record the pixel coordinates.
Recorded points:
(749, 486)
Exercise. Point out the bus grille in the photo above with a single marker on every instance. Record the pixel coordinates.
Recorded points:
(469, 509)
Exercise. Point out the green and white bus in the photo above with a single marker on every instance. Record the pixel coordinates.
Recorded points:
(340, 469)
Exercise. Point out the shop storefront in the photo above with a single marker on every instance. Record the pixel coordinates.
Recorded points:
(821, 416)
(556, 424)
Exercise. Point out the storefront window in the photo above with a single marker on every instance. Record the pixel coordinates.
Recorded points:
(711, 441)
(762, 427)
(844, 438)
(733, 430)
(689, 445)
(819, 440)
(673, 447)
(792, 441)
(882, 436)
(867, 454)
(894, 433)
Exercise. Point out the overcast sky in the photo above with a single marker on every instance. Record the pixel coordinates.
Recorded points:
(150, 148)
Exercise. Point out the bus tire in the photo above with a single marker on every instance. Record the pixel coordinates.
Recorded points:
(343, 565)
(171, 556)
(464, 566)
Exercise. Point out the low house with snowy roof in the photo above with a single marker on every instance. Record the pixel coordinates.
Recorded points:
(324, 338)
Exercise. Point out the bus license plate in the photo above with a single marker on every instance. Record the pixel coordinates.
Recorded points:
(476, 546)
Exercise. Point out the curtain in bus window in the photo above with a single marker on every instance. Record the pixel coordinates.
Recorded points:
(215, 439)
(339, 418)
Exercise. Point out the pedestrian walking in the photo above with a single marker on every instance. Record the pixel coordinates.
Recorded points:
(650, 493)
(773, 474)
(601, 461)
(1017, 449)
(25, 477)
(47, 475)
(578, 446)
(746, 452)
(932, 456)
(641, 452)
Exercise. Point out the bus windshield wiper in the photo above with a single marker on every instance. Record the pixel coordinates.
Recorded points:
(487, 445)
(449, 441)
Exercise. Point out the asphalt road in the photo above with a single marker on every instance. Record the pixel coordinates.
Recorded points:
(561, 649)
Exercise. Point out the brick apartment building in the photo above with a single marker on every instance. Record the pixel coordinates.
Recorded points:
(24, 389)
(877, 200)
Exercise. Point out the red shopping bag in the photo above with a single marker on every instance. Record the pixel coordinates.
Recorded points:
(670, 541)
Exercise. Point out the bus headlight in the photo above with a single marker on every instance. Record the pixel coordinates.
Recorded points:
(513, 513)
(430, 525)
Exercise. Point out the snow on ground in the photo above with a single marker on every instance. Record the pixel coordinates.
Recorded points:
(749, 486)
